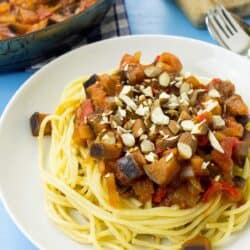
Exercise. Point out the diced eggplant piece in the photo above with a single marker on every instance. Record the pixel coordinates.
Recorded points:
(35, 123)
(197, 243)
(135, 73)
(242, 119)
(239, 181)
(105, 151)
(162, 172)
(92, 80)
(236, 106)
(240, 152)
(128, 169)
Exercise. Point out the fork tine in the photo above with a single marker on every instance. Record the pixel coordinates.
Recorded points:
(230, 19)
(222, 19)
(220, 22)
(214, 33)
(217, 27)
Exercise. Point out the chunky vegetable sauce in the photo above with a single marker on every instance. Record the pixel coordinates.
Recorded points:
(158, 134)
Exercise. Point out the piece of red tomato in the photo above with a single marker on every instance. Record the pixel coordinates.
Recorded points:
(159, 195)
(88, 108)
(228, 144)
(217, 187)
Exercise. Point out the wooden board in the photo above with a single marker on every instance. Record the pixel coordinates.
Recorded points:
(196, 9)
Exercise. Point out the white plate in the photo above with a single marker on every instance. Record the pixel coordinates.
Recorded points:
(20, 184)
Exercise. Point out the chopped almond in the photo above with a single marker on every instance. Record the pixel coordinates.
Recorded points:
(184, 116)
(174, 127)
(214, 143)
(200, 128)
(157, 115)
(138, 128)
(218, 122)
(187, 145)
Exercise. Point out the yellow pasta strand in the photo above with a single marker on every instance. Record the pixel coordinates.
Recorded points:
(77, 199)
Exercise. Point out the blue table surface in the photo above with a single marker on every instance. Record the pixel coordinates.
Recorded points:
(145, 17)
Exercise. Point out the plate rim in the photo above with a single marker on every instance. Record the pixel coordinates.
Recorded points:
(30, 79)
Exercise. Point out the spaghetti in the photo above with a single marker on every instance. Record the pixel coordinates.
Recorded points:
(78, 199)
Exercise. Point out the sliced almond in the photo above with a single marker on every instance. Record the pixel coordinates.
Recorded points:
(173, 102)
(218, 122)
(128, 139)
(164, 79)
(122, 130)
(128, 101)
(142, 110)
(109, 138)
(184, 99)
(214, 142)
(210, 105)
(174, 127)
(152, 71)
(187, 125)
(195, 96)
(127, 89)
(186, 145)
(121, 113)
(142, 98)
(171, 141)
(163, 97)
(129, 124)
(200, 128)
(169, 156)
(184, 116)
(178, 83)
(151, 157)
(214, 93)
(138, 128)
(149, 102)
(147, 91)
(147, 146)
(185, 87)
(157, 115)
(143, 137)
(118, 102)
(205, 164)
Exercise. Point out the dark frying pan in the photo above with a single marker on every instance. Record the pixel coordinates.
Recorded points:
(23, 51)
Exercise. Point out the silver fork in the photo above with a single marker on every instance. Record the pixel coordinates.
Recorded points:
(226, 31)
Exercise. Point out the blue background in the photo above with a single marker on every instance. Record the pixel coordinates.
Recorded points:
(145, 17)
